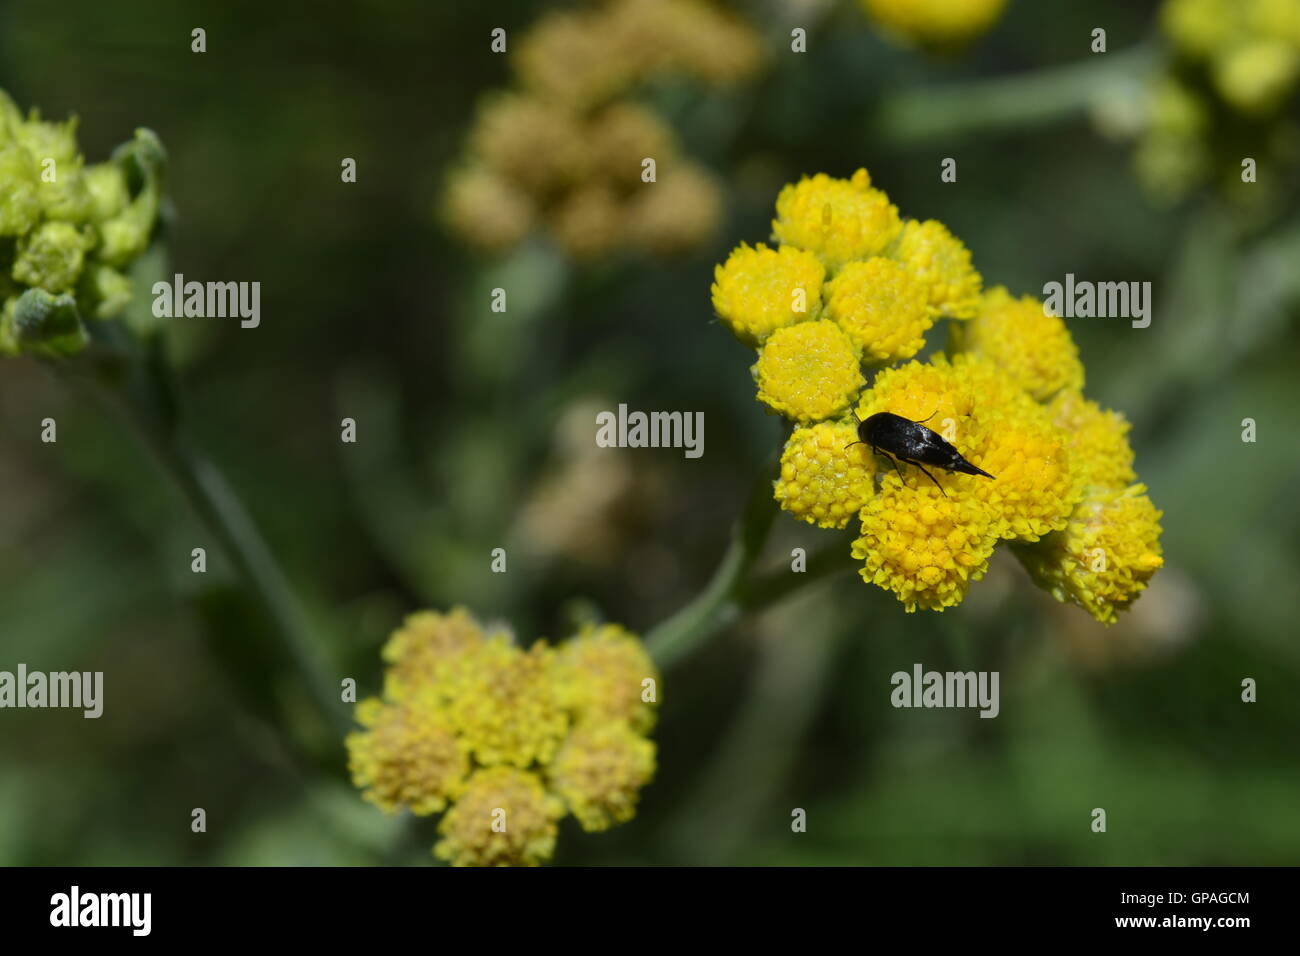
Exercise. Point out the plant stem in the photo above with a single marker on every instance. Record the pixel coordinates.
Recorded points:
(731, 592)
(151, 407)
(1015, 101)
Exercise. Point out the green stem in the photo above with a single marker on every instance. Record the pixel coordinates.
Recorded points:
(151, 407)
(1016, 101)
(731, 592)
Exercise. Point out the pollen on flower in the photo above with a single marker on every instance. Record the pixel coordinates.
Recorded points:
(759, 290)
(1034, 490)
(922, 546)
(408, 756)
(1100, 455)
(601, 674)
(507, 708)
(1106, 555)
(599, 772)
(1032, 345)
(425, 650)
(808, 372)
(838, 219)
(824, 481)
(884, 308)
(941, 261)
(504, 817)
(937, 390)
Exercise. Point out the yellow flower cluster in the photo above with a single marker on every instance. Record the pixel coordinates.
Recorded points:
(564, 151)
(68, 231)
(935, 24)
(1008, 397)
(506, 740)
(1244, 53)
(850, 283)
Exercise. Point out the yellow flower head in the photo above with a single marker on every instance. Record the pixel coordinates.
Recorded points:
(599, 772)
(530, 142)
(1103, 560)
(1256, 77)
(808, 372)
(924, 547)
(487, 209)
(426, 650)
(1034, 489)
(680, 212)
(941, 261)
(408, 755)
(1100, 455)
(823, 480)
(504, 817)
(884, 308)
(838, 219)
(589, 222)
(506, 705)
(759, 290)
(1022, 337)
(620, 136)
(601, 676)
(935, 23)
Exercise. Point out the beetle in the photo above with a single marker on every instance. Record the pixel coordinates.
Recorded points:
(903, 439)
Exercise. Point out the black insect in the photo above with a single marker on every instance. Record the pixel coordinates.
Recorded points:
(905, 440)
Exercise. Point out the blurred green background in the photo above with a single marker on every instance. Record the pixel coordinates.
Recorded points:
(468, 421)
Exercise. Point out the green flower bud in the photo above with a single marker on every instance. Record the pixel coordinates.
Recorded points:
(51, 257)
(106, 187)
(20, 204)
(103, 292)
(44, 324)
(57, 141)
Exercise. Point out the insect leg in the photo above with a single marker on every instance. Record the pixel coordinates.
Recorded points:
(891, 458)
(927, 418)
(928, 475)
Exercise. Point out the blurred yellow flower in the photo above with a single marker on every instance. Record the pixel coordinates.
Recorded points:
(1106, 556)
(943, 263)
(838, 219)
(1100, 455)
(1032, 345)
(602, 675)
(759, 290)
(408, 756)
(935, 23)
(504, 817)
(808, 372)
(884, 308)
(475, 725)
(599, 772)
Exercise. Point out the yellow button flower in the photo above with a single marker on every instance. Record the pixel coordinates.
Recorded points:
(408, 756)
(935, 23)
(1106, 556)
(823, 480)
(759, 290)
(922, 546)
(884, 308)
(599, 772)
(941, 261)
(507, 708)
(1020, 336)
(425, 650)
(808, 372)
(1100, 455)
(1034, 490)
(601, 675)
(505, 817)
(838, 219)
